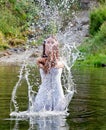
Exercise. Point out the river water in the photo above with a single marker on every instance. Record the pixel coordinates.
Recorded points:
(87, 110)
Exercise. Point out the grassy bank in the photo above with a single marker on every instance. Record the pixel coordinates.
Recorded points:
(14, 21)
(93, 49)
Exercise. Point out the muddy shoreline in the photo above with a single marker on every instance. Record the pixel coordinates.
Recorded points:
(19, 56)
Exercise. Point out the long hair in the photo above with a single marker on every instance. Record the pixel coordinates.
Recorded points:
(52, 56)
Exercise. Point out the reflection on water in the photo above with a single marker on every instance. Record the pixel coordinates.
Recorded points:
(43, 123)
(87, 110)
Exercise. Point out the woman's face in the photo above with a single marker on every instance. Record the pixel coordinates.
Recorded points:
(50, 45)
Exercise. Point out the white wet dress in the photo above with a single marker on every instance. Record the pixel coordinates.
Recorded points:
(50, 96)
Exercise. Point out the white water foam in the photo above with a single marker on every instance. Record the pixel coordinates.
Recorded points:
(26, 114)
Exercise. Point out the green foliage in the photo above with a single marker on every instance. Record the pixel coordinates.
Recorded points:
(19, 7)
(94, 49)
(14, 17)
(8, 23)
(12, 1)
(102, 1)
(3, 44)
(96, 43)
(103, 30)
(97, 18)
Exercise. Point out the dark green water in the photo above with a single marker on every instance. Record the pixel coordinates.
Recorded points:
(87, 110)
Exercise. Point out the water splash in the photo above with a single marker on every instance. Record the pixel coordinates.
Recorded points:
(23, 73)
(69, 54)
(51, 18)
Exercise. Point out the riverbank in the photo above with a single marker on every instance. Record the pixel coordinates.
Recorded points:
(17, 56)
(77, 30)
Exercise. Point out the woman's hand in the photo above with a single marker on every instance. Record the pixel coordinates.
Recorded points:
(41, 62)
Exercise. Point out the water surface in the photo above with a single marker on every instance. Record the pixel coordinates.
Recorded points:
(87, 110)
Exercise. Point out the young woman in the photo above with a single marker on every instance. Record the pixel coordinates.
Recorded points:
(50, 96)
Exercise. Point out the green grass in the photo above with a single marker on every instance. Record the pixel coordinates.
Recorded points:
(9, 23)
(15, 17)
(96, 60)
(94, 49)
